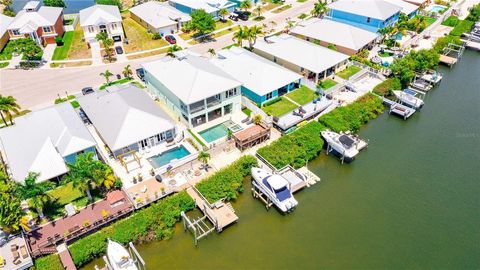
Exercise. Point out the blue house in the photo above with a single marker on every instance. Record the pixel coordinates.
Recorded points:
(263, 80)
(370, 15)
(210, 6)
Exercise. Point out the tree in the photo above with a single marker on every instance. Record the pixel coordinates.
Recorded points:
(203, 157)
(88, 172)
(117, 3)
(54, 3)
(258, 10)
(245, 5)
(107, 74)
(212, 51)
(127, 71)
(257, 119)
(8, 107)
(252, 34)
(290, 24)
(32, 51)
(107, 44)
(202, 22)
(239, 36)
(12, 217)
(30, 189)
(319, 9)
(223, 13)
(172, 49)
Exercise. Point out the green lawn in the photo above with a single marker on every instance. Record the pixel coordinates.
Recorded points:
(430, 20)
(61, 52)
(121, 81)
(348, 72)
(280, 107)
(220, 25)
(138, 37)
(327, 83)
(247, 111)
(462, 27)
(6, 53)
(282, 8)
(451, 21)
(4, 64)
(302, 95)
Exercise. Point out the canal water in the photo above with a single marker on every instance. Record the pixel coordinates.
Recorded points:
(410, 201)
(73, 6)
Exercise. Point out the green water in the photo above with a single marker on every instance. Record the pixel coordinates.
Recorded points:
(410, 201)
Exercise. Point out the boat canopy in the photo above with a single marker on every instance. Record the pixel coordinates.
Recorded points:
(410, 92)
(346, 141)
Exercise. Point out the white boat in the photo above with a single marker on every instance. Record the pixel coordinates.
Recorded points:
(119, 258)
(343, 144)
(275, 187)
(409, 99)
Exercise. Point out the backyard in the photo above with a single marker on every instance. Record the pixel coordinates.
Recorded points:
(138, 37)
(302, 95)
(278, 107)
(348, 72)
(327, 83)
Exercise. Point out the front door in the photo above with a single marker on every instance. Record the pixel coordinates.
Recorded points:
(103, 29)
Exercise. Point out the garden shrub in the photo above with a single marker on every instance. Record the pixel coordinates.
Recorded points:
(451, 21)
(351, 117)
(271, 102)
(49, 262)
(386, 87)
(474, 13)
(154, 222)
(228, 182)
(462, 27)
(296, 148)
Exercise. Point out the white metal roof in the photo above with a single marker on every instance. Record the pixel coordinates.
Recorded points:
(378, 9)
(31, 5)
(336, 33)
(45, 16)
(4, 23)
(208, 5)
(125, 116)
(300, 52)
(159, 14)
(191, 78)
(40, 140)
(407, 8)
(99, 14)
(256, 73)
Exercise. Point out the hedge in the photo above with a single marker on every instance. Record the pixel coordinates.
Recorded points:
(228, 182)
(352, 116)
(296, 148)
(49, 262)
(462, 27)
(154, 222)
(387, 87)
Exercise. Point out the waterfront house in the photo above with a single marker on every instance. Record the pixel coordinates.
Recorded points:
(159, 17)
(263, 80)
(40, 23)
(210, 6)
(370, 15)
(43, 141)
(314, 62)
(408, 9)
(4, 36)
(420, 3)
(194, 88)
(346, 38)
(101, 18)
(127, 120)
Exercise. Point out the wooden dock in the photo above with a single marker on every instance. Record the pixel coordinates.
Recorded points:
(65, 257)
(219, 213)
(448, 60)
(398, 108)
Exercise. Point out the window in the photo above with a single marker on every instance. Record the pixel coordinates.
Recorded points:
(114, 26)
(47, 29)
(15, 32)
(275, 59)
(230, 93)
(269, 96)
(368, 19)
(91, 29)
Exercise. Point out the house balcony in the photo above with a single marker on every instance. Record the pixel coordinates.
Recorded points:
(212, 101)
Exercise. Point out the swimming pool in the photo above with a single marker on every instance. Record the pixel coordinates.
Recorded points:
(436, 8)
(167, 156)
(214, 133)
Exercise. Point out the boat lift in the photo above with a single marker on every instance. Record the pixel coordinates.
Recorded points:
(137, 259)
(360, 144)
(199, 227)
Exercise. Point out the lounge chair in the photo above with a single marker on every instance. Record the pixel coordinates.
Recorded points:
(13, 247)
(23, 251)
(16, 255)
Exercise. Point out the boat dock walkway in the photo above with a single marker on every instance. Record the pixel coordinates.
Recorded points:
(448, 60)
(311, 178)
(398, 108)
(219, 213)
(65, 257)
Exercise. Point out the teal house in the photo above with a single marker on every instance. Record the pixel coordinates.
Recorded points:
(370, 15)
(263, 80)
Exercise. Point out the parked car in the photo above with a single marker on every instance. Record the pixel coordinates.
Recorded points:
(242, 15)
(170, 39)
(87, 90)
(119, 50)
(233, 17)
(140, 73)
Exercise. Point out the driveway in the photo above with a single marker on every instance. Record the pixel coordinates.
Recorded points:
(96, 54)
(48, 52)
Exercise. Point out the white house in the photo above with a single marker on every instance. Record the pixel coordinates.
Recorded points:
(159, 17)
(195, 89)
(101, 18)
(210, 6)
(43, 141)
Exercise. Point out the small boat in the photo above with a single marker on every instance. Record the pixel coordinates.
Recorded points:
(409, 98)
(275, 187)
(345, 145)
(119, 258)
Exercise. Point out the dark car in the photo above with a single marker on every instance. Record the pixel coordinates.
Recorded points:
(170, 39)
(140, 73)
(242, 15)
(119, 50)
(87, 90)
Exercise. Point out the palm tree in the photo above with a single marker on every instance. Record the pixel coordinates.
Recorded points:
(223, 13)
(203, 157)
(85, 172)
(107, 44)
(212, 51)
(319, 9)
(252, 34)
(127, 71)
(172, 49)
(107, 74)
(245, 5)
(290, 24)
(30, 189)
(239, 36)
(258, 10)
(8, 107)
(257, 119)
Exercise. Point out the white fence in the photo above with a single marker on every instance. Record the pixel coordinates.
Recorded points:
(255, 110)
(75, 18)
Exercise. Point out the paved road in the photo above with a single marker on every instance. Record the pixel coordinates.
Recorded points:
(38, 88)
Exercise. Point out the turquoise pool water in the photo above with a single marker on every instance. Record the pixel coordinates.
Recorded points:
(214, 133)
(167, 156)
(437, 9)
